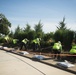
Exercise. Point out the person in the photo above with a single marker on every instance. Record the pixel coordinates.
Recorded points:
(73, 52)
(6, 38)
(15, 41)
(24, 43)
(57, 48)
(36, 44)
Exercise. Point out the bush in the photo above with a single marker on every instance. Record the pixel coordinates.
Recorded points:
(1, 40)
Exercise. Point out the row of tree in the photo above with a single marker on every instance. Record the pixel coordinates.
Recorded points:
(63, 34)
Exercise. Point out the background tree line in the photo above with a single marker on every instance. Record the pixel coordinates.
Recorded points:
(62, 33)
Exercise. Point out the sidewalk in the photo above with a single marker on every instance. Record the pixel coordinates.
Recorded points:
(47, 60)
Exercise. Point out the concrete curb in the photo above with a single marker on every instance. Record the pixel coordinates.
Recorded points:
(62, 68)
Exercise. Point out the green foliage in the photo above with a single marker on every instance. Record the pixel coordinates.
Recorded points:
(38, 30)
(11, 34)
(48, 36)
(63, 34)
(31, 35)
(1, 40)
(28, 28)
(74, 37)
(4, 25)
(19, 33)
(68, 37)
(58, 36)
(62, 25)
(38, 27)
(25, 33)
(29, 32)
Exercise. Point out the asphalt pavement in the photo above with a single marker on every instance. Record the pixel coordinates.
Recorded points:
(12, 64)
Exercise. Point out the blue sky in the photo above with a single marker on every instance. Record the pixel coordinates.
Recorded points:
(50, 12)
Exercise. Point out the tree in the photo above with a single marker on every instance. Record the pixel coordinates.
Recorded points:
(4, 25)
(17, 31)
(64, 35)
(29, 32)
(28, 28)
(62, 25)
(11, 34)
(31, 35)
(68, 37)
(58, 36)
(48, 36)
(38, 29)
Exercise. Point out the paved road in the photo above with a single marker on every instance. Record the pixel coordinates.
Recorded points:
(11, 64)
